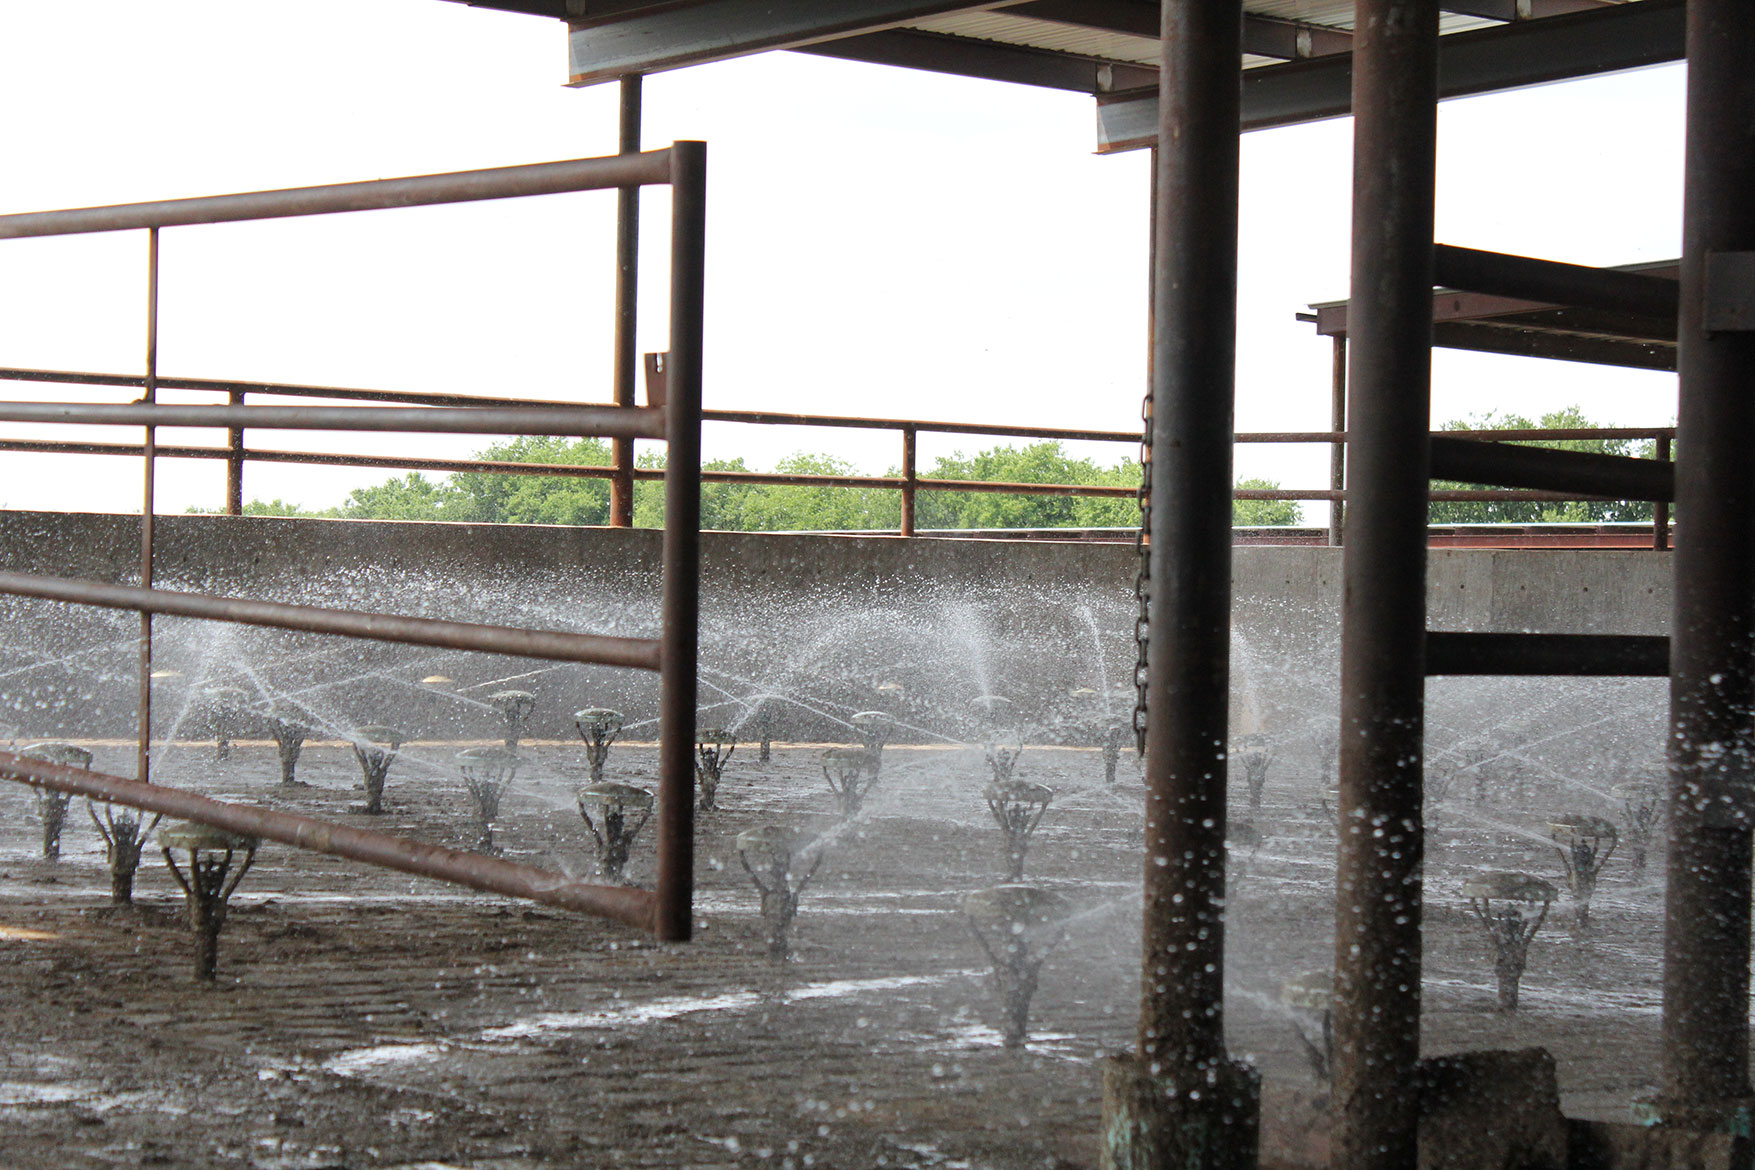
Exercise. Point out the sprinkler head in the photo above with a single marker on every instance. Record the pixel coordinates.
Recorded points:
(1585, 844)
(598, 722)
(1016, 926)
(1003, 749)
(1512, 908)
(1029, 914)
(208, 881)
(875, 728)
(851, 773)
(65, 754)
(377, 735)
(1310, 999)
(52, 803)
(486, 773)
(1017, 807)
(1518, 893)
(490, 763)
(621, 811)
(991, 708)
(1573, 829)
(513, 704)
(873, 723)
(1310, 992)
(772, 848)
(774, 856)
(713, 747)
(610, 797)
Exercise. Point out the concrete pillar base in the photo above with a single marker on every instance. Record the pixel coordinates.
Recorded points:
(1491, 1109)
(1150, 1123)
(1669, 1136)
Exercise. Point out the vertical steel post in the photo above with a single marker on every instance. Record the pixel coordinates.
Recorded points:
(682, 543)
(234, 463)
(1337, 450)
(1181, 1101)
(1383, 610)
(1712, 671)
(149, 449)
(909, 478)
(627, 285)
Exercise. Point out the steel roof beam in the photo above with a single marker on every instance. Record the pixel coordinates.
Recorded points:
(1263, 36)
(1509, 10)
(987, 60)
(670, 37)
(1531, 52)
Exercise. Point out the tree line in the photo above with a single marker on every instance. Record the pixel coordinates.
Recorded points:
(497, 498)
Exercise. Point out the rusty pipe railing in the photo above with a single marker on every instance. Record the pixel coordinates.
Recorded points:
(638, 422)
(478, 871)
(668, 912)
(909, 483)
(559, 645)
(553, 178)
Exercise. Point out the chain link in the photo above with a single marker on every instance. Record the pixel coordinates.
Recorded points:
(1142, 584)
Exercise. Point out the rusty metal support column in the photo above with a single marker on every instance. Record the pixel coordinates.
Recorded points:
(1712, 671)
(910, 478)
(627, 285)
(1383, 611)
(149, 472)
(234, 462)
(1180, 1101)
(1337, 451)
(679, 640)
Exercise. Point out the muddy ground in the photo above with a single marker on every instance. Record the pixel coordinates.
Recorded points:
(364, 1019)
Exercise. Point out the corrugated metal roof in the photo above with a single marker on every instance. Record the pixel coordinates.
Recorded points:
(1004, 27)
(1007, 29)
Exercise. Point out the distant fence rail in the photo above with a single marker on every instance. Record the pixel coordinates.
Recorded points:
(909, 482)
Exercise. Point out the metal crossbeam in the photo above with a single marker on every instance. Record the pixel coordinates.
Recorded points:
(1615, 477)
(1595, 655)
(1530, 52)
(669, 37)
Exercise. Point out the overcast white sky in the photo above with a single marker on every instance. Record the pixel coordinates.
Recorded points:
(881, 241)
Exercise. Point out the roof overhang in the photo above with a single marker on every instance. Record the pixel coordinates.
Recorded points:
(1293, 70)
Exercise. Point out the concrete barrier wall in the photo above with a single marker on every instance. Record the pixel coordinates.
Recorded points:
(830, 618)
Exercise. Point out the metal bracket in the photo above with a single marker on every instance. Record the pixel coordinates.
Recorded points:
(1730, 292)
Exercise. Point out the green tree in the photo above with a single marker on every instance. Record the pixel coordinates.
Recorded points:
(492, 497)
(498, 498)
(1041, 462)
(1264, 513)
(278, 507)
(1541, 511)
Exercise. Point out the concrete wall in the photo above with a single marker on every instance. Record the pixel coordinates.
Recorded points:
(829, 616)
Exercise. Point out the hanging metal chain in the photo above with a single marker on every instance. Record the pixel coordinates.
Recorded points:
(1142, 584)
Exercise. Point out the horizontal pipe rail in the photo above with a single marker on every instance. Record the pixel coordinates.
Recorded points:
(635, 422)
(557, 645)
(477, 871)
(1548, 469)
(553, 178)
(1551, 282)
(604, 471)
(1599, 655)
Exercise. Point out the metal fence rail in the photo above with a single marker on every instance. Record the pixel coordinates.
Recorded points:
(667, 910)
(909, 482)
